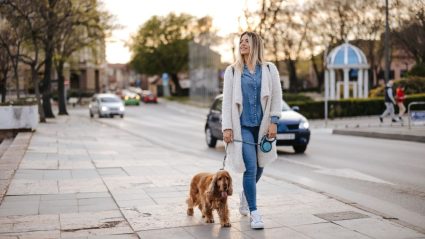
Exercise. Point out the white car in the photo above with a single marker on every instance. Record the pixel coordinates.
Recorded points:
(106, 105)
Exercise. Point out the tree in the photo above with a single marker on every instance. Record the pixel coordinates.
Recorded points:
(161, 44)
(5, 66)
(24, 15)
(87, 26)
(411, 33)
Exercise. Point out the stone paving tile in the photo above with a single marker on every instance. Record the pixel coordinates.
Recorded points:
(32, 235)
(25, 187)
(75, 164)
(328, 230)
(18, 224)
(56, 197)
(93, 195)
(378, 228)
(175, 233)
(39, 164)
(85, 174)
(112, 172)
(29, 174)
(296, 219)
(118, 236)
(81, 185)
(159, 216)
(214, 231)
(93, 224)
(34, 155)
(275, 233)
(6, 174)
(128, 182)
(130, 204)
(56, 174)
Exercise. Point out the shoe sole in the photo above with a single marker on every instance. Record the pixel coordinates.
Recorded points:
(257, 227)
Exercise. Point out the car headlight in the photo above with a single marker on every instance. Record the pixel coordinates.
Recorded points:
(121, 108)
(137, 97)
(104, 108)
(304, 124)
(126, 98)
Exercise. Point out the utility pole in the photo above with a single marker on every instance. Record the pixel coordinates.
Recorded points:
(386, 45)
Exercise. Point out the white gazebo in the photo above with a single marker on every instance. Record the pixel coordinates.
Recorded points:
(346, 57)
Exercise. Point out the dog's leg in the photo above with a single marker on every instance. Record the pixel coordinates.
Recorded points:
(189, 202)
(223, 213)
(207, 212)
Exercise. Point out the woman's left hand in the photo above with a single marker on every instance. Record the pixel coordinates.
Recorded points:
(271, 133)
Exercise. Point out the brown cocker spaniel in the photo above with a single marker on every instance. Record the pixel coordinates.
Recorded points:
(209, 191)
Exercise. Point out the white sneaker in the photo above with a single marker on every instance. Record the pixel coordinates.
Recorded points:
(256, 220)
(243, 206)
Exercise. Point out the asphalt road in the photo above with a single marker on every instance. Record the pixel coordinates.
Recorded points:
(385, 175)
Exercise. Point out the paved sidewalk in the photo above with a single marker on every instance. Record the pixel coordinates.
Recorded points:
(82, 179)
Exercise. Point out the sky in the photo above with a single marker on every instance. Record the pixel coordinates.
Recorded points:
(131, 14)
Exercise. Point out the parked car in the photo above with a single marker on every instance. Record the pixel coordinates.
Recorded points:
(148, 97)
(106, 105)
(292, 129)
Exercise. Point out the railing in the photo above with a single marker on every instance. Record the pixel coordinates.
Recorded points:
(418, 115)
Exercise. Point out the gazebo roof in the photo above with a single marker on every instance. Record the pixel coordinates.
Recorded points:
(346, 56)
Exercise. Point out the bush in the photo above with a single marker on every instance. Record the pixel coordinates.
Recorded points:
(295, 97)
(21, 102)
(418, 70)
(349, 107)
(413, 84)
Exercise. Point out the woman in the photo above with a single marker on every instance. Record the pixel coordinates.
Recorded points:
(252, 104)
(400, 97)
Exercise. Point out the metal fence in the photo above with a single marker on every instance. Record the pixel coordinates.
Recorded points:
(204, 66)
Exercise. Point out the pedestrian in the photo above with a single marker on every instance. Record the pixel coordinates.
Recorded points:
(400, 97)
(389, 102)
(252, 104)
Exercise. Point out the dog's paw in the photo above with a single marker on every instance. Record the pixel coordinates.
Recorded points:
(209, 220)
(190, 211)
(226, 225)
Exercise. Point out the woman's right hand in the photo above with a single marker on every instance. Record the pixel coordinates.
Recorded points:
(228, 136)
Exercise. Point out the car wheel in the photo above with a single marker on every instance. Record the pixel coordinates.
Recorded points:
(211, 140)
(122, 116)
(91, 115)
(299, 149)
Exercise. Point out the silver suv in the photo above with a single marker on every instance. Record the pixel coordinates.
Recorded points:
(106, 105)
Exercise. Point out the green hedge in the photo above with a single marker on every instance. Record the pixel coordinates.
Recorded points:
(350, 107)
(21, 101)
(295, 97)
(413, 85)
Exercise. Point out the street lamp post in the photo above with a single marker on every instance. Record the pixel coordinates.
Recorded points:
(386, 45)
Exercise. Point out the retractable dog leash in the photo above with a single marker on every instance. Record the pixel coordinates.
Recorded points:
(265, 144)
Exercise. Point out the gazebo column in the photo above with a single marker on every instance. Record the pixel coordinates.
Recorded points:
(366, 84)
(346, 81)
(360, 83)
(332, 84)
(327, 85)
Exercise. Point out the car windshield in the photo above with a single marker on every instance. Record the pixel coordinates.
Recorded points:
(109, 99)
(285, 106)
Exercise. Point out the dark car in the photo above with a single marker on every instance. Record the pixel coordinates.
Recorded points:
(292, 129)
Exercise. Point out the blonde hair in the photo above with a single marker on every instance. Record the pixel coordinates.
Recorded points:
(256, 52)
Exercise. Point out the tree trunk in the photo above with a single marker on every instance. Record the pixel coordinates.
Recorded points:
(176, 82)
(16, 76)
(47, 106)
(293, 79)
(3, 88)
(319, 74)
(61, 89)
(34, 74)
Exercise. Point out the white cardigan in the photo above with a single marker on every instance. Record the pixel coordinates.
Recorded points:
(271, 104)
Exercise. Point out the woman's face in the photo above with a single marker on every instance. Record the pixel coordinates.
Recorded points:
(244, 45)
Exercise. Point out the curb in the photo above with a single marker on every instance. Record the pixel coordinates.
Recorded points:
(391, 136)
(11, 159)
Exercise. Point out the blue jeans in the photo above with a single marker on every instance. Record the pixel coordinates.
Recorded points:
(253, 172)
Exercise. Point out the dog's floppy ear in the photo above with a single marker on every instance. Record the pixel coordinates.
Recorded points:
(230, 187)
(212, 190)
